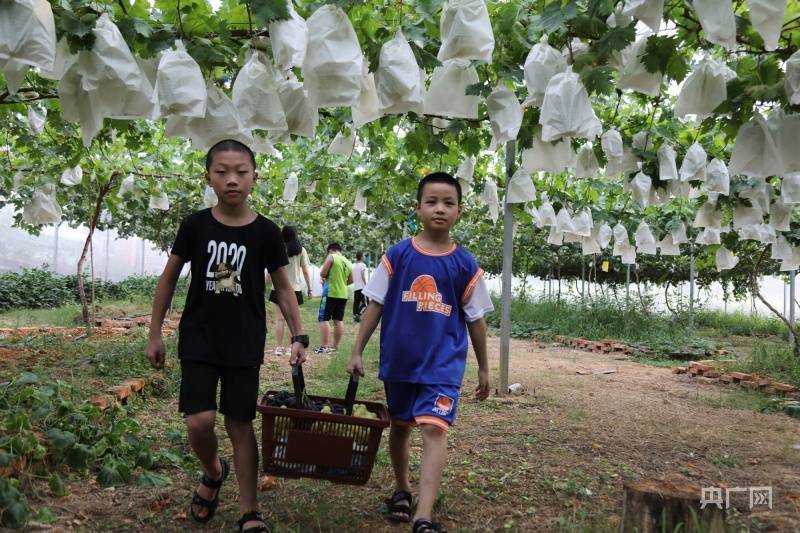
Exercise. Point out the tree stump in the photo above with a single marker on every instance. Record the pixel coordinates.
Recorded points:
(655, 505)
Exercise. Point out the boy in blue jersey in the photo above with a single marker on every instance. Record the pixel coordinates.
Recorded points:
(429, 293)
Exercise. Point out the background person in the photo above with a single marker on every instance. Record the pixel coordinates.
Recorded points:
(337, 273)
(297, 269)
(359, 282)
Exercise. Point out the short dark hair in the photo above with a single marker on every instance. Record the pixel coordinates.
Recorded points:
(229, 145)
(334, 247)
(291, 240)
(359, 255)
(438, 177)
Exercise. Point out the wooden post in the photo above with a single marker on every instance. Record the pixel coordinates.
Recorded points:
(654, 505)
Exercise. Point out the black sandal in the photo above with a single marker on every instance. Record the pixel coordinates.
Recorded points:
(396, 505)
(211, 505)
(423, 525)
(253, 516)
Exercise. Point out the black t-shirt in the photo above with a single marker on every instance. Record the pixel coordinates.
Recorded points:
(224, 320)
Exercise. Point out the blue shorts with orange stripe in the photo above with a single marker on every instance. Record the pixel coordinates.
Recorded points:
(422, 404)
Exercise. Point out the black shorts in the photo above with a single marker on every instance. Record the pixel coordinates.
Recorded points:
(273, 297)
(237, 397)
(334, 309)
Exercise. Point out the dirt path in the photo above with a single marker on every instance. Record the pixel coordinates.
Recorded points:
(644, 421)
(553, 459)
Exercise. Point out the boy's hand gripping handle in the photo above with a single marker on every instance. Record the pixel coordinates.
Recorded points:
(299, 384)
(350, 396)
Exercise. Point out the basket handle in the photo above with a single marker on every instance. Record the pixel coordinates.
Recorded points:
(299, 384)
(350, 396)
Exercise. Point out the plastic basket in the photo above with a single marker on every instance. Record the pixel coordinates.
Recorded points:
(304, 443)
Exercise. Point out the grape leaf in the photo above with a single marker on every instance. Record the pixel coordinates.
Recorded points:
(266, 11)
(658, 52)
(598, 80)
(153, 481)
(614, 39)
(479, 89)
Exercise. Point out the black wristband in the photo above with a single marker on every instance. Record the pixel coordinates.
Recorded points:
(302, 339)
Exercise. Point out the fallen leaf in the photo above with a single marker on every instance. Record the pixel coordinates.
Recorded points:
(159, 503)
(180, 515)
(266, 483)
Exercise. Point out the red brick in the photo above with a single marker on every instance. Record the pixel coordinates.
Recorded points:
(17, 465)
(706, 381)
(122, 392)
(726, 378)
(711, 374)
(679, 370)
(101, 402)
(752, 385)
(784, 387)
(136, 384)
(701, 367)
(740, 376)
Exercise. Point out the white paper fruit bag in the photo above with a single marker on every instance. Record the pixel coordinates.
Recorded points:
(180, 86)
(466, 31)
(398, 79)
(332, 68)
(566, 110)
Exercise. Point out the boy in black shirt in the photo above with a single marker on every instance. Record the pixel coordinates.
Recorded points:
(223, 327)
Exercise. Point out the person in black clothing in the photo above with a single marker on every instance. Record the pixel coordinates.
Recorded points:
(223, 327)
(359, 282)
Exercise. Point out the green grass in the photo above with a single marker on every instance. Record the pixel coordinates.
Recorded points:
(773, 359)
(737, 399)
(66, 316)
(602, 319)
(737, 323)
(669, 339)
(70, 315)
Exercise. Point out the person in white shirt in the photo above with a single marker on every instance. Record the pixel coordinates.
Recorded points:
(298, 267)
(359, 282)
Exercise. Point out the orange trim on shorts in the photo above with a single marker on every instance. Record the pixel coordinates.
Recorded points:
(426, 420)
(471, 286)
(387, 265)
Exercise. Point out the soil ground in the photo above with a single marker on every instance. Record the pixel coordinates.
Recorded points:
(552, 459)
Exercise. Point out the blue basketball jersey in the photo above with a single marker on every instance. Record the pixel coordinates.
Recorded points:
(423, 326)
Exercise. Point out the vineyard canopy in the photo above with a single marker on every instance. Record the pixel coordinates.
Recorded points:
(676, 124)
